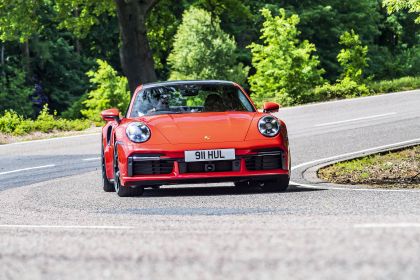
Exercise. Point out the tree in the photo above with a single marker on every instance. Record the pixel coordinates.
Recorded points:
(352, 57)
(20, 19)
(413, 6)
(202, 50)
(286, 68)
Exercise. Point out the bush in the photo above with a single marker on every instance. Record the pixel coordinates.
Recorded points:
(9, 121)
(286, 67)
(111, 91)
(12, 123)
(25, 127)
(345, 88)
(401, 84)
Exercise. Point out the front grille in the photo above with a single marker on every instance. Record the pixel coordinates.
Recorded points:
(264, 161)
(209, 166)
(152, 167)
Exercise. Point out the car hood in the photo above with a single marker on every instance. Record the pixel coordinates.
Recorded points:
(202, 127)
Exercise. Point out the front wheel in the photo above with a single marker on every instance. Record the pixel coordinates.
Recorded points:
(279, 184)
(123, 191)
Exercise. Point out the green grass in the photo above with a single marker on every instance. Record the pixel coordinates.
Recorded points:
(401, 84)
(399, 169)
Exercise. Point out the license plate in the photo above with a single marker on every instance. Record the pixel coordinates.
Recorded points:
(210, 155)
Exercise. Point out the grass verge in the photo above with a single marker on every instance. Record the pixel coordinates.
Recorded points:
(8, 138)
(400, 84)
(399, 169)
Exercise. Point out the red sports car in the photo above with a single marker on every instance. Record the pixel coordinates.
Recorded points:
(193, 132)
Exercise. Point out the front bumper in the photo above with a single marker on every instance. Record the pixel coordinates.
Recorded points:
(140, 167)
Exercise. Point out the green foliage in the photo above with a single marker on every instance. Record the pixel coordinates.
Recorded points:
(348, 88)
(61, 71)
(162, 25)
(9, 121)
(385, 65)
(12, 123)
(111, 91)
(75, 109)
(345, 88)
(57, 42)
(322, 23)
(401, 84)
(18, 19)
(413, 6)
(203, 51)
(286, 69)
(352, 57)
(79, 16)
(14, 93)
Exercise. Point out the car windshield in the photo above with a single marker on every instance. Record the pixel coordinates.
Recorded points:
(190, 98)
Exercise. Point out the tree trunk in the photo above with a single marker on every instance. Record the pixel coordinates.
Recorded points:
(135, 54)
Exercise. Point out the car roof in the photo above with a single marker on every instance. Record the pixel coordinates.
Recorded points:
(192, 82)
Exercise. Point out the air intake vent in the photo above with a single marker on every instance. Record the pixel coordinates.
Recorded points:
(264, 161)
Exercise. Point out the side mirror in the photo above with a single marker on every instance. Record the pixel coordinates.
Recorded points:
(271, 107)
(111, 115)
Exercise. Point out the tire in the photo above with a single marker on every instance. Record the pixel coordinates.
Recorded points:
(106, 184)
(277, 185)
(120, 189)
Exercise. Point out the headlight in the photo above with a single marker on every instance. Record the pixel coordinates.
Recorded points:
(269, 126)
(138, 132)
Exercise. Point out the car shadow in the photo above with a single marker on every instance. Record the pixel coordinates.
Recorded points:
(216, 191)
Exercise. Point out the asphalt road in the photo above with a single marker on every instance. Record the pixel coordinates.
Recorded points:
(56, 223)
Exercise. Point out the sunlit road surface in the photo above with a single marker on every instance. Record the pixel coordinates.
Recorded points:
(56, 223)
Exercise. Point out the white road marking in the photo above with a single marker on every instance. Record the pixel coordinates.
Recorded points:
(91, 159)
(357, 119)
(388, 225)
(66, 227)
(354, 153)
(26, 169)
